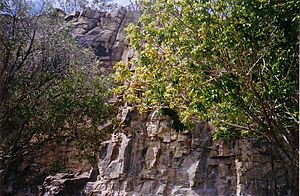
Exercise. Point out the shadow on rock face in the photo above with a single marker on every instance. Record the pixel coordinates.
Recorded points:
(65, 184)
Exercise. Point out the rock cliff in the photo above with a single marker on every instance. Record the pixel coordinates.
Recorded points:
(147, 157)
(103, 32)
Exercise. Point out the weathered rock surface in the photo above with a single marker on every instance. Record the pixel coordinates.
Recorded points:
(67, 184)
(61, 156)
(148, 158)
(102, 31)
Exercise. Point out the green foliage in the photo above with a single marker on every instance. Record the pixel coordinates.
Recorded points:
(79, 108)
(50, 88)
(233, 63)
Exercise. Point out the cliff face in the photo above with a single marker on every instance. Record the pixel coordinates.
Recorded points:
(147, 157)
(103, 32)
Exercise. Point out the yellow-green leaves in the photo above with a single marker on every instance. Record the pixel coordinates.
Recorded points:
(218, 61)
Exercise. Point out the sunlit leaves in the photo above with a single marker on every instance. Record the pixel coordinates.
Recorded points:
(229, 62)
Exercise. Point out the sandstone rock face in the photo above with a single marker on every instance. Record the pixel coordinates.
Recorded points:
(148, 158)
(102, 31)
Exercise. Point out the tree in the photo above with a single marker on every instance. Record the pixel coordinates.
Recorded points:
(69, 6)
(232, 63)
(49, 87)
(104, 5)
(134, 6)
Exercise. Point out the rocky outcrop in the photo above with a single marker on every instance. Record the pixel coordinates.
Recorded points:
(149, 158)
(67, 184)
(102, 31)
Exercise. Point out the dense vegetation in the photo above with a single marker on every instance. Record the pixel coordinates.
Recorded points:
(233, 63)
(50, 88)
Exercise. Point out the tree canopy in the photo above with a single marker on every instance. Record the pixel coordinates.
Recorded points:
(233, 63)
